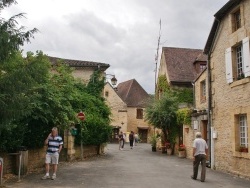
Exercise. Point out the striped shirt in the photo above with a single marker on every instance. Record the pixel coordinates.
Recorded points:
(54, 143)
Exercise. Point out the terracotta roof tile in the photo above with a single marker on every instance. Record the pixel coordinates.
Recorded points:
(179, 63)
(132, 93)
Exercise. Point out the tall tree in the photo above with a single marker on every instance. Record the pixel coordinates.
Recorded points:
(162, 114)
(18, 82)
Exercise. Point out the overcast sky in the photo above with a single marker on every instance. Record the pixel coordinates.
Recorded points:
(122, 33)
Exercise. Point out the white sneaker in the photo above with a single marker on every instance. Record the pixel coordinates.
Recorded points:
(45, 177)
(53, 177)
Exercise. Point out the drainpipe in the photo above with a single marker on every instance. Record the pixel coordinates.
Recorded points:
(210, 111)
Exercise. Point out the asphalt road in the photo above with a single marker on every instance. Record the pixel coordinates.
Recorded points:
(130, 168)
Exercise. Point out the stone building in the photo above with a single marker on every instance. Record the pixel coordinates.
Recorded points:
(119, 118)
(228, 53)
(83, 71)
(200, 111)
(181, 66)
(136, 99)
(128, 102)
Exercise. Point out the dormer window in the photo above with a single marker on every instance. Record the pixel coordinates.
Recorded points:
(202, 67)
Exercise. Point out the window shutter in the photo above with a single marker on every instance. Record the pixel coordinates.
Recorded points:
(246, 56)
(229, 68)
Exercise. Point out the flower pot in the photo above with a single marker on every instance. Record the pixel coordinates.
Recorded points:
(154, 148)
(182, 154)
(169, 151)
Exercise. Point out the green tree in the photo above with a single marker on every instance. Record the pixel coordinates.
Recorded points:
(162, 114)
(18, 82)
(15, 81)
(96, 128)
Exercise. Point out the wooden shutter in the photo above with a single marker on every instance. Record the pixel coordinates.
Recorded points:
(229, 68)
(246, 56)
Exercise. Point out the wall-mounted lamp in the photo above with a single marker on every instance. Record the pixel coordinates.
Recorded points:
(113, 79)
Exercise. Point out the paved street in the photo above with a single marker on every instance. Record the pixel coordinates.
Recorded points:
(137, 168)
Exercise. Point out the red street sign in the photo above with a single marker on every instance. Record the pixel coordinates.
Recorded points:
(81, 116)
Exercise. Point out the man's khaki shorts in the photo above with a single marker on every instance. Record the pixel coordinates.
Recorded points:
(52, 158)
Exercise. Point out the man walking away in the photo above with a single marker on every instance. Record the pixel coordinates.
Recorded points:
(200, 150)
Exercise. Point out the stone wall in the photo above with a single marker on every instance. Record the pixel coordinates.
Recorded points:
(230, 100)
(117, 106)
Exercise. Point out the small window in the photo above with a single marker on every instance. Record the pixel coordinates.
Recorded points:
(203, 91)
(106, 93)
(139, 114)
(202, 67)
(237, 20)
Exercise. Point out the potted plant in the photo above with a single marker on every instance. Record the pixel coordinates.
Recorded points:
(182, 151)
(153, 142)
(168, 147)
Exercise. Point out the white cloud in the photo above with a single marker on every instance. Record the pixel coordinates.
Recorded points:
(122, 33)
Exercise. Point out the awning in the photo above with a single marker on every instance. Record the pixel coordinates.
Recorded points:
(116, 126)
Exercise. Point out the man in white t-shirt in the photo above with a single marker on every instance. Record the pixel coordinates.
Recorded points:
(200, 150)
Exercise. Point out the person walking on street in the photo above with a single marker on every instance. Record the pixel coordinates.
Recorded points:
(200, 150)
(131, 139)
(54, 144)
(121, 141)
(136, 138)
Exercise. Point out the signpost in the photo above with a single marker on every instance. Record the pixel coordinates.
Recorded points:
(81, 116)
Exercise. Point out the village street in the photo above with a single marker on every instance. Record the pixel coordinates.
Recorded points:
(130, 168)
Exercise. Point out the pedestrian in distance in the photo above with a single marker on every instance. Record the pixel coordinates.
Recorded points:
(54, 144)
(136, 138)
(200, 151)
(121, 140)
(131, 139)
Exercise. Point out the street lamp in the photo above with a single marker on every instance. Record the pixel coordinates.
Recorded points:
(113, 79)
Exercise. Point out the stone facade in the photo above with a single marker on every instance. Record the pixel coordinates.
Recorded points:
(124, 109)
(199, 115)
(119, 119)
(230, 105)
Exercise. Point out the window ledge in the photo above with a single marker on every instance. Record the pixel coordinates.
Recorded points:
(240, 82)
(238, 154)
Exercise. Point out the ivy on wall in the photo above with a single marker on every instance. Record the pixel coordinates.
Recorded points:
(184, 95)
(184, 116)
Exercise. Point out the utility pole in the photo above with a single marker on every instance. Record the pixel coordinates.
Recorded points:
(156, 58)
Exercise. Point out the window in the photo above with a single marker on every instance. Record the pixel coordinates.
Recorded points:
(237, 61)
(237, 20)
(243, 131)
(203, 91)
(139, 113)
(202, 67)
(106, 93)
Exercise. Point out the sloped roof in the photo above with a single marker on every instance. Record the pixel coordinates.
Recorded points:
(201, 57)
(179, 63)
(218, 17)
(79, 63)
(132, 93)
